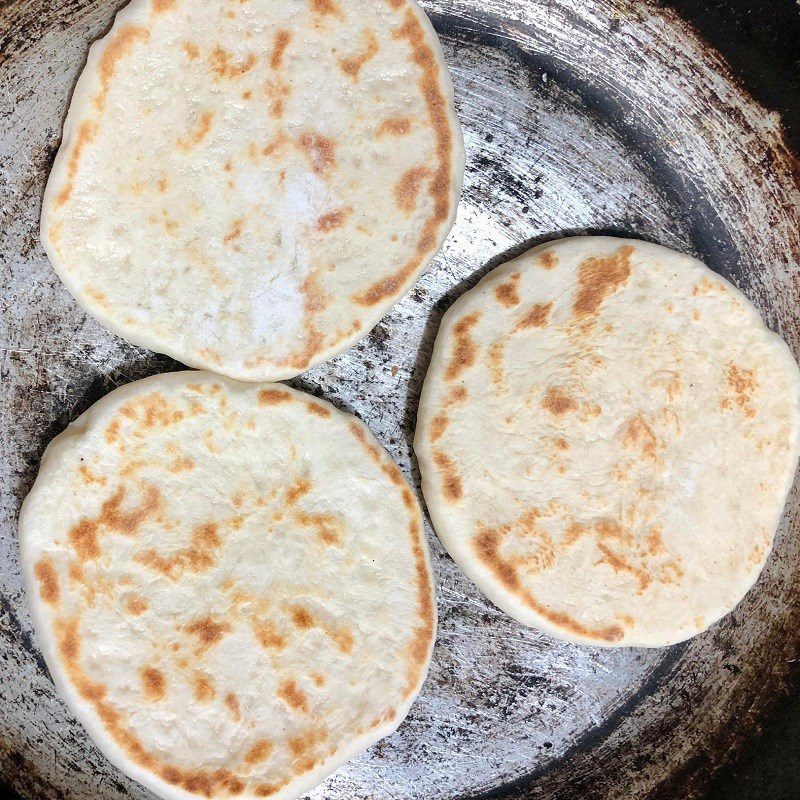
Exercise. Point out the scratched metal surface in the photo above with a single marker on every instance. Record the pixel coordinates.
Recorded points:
(578, 115)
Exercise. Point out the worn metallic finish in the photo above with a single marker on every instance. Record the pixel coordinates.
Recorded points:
(579, 115)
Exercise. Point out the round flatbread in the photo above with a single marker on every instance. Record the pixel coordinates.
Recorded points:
(607, 434)
(229, 584)
(248, 187)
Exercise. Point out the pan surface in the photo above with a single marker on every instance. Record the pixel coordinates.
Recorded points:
(579, 116)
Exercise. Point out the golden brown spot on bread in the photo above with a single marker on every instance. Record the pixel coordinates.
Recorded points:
(136, 605)
(315, 301)
(706, 286)
(334, 219)
(318, 679)
(743, 383)
(423, 56)
(117, 49)
(266, 789)
(224, 67)
(561, 444)
(301, 357)
(152, 410)
(302, 618)
(234, 232)
(154, 684)
(84, 540)
(465, 349)
(69, 641)
(203, 689)
(456, 394)
(232, 704)
(76, 573)
(343, 639)
(112, 431)
(279, 44)
(198, 557)
(507, 293)
(301, 487)
(319, 150)
(278, 91)
(438, 426)
(329, 528)
(267, 635)
(87, 476)
(352, 65)
(273, 397)
(191, 49)
(260, 751)
(557, 402)
(208, 441)
(536, 317)
(637, 434)
(181, 464)
(486, 544)
(97, 296)
(316, 408)
(208, 631)
(128, 523)
(620, 564)
(452, 488)
(278, 142)
(87, 130)
(305, 746)
(599, 277)
(47, 576)
(547, 260)
(361, 435)
(423, 633)
(407, 189)
(289, 692)
(394, 126)
(160, 6)
(496, 354)
(194, 137)
(84, 536)
(655, 541)
(211, 355)
(326, 8)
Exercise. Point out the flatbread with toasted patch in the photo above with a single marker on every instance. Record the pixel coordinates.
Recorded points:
(230, 585)
(607, 434)
(248, 187)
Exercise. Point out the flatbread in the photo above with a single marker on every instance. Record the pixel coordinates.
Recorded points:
(230, 585)
(607, 435)
(249, 186)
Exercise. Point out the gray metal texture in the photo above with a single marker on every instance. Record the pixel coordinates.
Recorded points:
(579, 115)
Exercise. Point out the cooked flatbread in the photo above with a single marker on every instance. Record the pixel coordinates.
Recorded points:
(249, 186)
(607, 434)
(230, 585)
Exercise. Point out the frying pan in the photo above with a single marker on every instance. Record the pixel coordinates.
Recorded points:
(579, 116)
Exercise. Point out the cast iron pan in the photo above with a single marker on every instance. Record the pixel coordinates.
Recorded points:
(579, 115)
